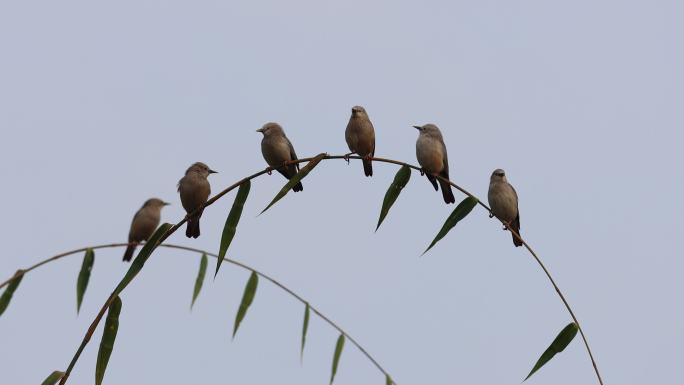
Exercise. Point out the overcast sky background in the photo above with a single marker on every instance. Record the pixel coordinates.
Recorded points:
(105, 104)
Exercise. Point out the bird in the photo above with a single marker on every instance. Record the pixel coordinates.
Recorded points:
(277, 150)
(360, 136)
(194, 191)
(432, 156)
(503, 201)
(145, 221)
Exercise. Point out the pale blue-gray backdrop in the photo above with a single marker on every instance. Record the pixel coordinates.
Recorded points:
(104, 104)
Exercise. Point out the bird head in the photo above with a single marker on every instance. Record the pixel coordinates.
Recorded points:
(201, 169)
(271, 128)
(498, 175)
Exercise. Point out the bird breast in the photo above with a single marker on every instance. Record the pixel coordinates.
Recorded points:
(276, 151)
(430, 154)
(503, 201)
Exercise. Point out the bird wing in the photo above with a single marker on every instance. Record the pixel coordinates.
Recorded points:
(293, 154)
(445, 170)
(516, 204)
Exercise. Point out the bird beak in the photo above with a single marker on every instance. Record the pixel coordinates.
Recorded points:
(166, 203)
(418, 128)
(260, 130)
(212, 171)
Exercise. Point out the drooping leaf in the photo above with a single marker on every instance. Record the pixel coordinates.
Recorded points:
(388, 380)
(559, 344)
(460, 212)
(232, 222)
(200, 279)
(400, 180)
(53, 378)
(336, 357)
(9, 291)
(247, 298)
(142, 257)
(305, 328)
(111, 327)
(295, 179)
(84, 277)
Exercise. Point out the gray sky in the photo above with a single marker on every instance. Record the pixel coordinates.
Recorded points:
(103, 105)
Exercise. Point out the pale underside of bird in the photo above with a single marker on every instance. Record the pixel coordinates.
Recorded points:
(194, 192)
(503, 200)
(145, 222)
(360, 137)
(277, 150)
(432, 157)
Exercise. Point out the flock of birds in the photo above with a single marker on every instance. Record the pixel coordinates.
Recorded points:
(278, 151)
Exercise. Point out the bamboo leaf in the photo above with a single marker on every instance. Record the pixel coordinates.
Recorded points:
(108, 337)
(305, 328)
(142, 257)
(388, 380)
(247, 298)
(84, 277)
(9, 291)
(295, 179)
(559, 344)
(400, 180)
(336, 357)
(460, 212)
(232, 222)
(200, 279)
(53, 378)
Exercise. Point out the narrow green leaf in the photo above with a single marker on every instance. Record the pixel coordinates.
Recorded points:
(295, 179)
(108, 337)
(142, 257)
(460, 212)
(200, 279)
(388, 380)
(84, 277)
(336, 358)
(559, 344)
(400, 180)
(305, 328)
(9, 291)
(247, 298)
(53, 378)
(232, 222)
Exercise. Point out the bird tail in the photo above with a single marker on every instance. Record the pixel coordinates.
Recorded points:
(446, 192)
(289, 173)
(515, 226)
(128, 255)
(432, 180)
(368, 167)
(193, 228)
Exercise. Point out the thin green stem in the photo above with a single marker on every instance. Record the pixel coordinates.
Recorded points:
(345, 157)
(236, 263)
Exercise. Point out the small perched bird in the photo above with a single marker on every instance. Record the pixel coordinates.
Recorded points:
(503, 201)
(277, 149)
(432, 156)
(145, 221)
(360, 137)
(194, 191)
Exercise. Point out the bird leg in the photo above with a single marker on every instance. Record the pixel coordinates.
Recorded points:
(491, 214)
(270, 171)
(422, 171)
(346, 156)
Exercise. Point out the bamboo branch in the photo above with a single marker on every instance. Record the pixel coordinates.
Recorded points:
(329, 157)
